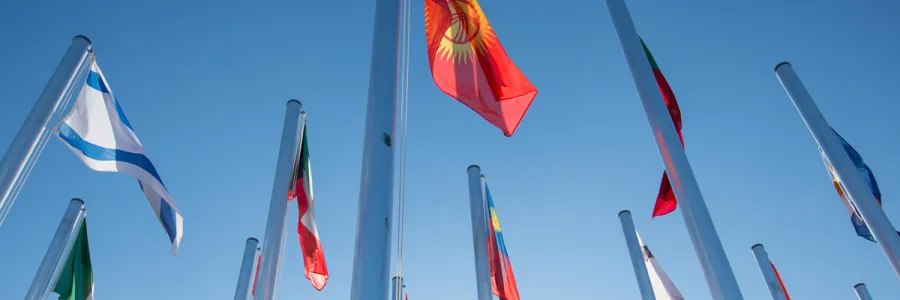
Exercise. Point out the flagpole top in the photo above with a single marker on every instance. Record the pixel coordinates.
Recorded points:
(858, 285)
(757, 245)
(77, 200)
(83, 38)
(781, 64)
(473, 166)
(624, 211)
(252, 239)
(293, 101)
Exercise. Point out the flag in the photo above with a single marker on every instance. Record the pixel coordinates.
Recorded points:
(778, 276)
(503, 282)
(858, 224)
(469, 64)
(99, 134)
(76, 281)
(665, 199)
(663, 287)
(313, 256)
(256, 276)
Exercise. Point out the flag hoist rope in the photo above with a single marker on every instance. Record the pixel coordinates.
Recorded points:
(403, 108)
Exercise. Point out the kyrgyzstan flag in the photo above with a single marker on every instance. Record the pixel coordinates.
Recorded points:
(313, 256)
(665, 199)
(503, 282)
(469, 64)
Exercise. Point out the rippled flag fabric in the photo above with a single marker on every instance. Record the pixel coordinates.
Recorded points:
(663, 287)
(503, 282)
(665, 199)
(858, 224)
(469, 64)
(315, 268)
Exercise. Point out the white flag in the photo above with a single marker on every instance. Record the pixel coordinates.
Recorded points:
(99, 134)
(663, 287)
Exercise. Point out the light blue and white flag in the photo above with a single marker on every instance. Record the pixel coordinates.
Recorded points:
(100, 135)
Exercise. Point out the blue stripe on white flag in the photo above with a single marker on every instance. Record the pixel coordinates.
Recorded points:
(106, 154)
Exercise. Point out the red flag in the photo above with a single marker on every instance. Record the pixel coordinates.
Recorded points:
(469, 64)
(256, 277)
(786, 296)
(313, 255)
(665, 199)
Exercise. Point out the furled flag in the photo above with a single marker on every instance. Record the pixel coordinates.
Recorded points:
(858, 224)
(99, 134)
(663, 287)
(469, 64)
(256, 276)
(503, 282)
(665, 199)
(778, 276)
(76, 281)
(313, 256)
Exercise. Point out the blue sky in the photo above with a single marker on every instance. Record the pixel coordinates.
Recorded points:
(205, 86)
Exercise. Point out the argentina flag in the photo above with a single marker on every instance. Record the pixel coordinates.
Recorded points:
(100, 135)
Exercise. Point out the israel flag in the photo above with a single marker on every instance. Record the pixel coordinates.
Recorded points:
(99, 134)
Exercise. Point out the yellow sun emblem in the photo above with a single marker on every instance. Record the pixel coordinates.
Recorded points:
(468, 33)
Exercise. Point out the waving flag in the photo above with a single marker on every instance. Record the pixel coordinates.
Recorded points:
(313, 256)
(469, 64)
(858, 224)
(665, 199)
(99, 134)
(503, 282)
(76, 280)
(786, 296)
(663, 287)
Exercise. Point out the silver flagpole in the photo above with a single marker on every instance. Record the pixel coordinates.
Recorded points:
(56, 251)
(637, 256)
(25, 146)
(852, 181)
(272, 243)
(862, 292)
(397, 288)
(479, 233)
(765, 266)
(245, 275)
(719, 276)
(371, 256)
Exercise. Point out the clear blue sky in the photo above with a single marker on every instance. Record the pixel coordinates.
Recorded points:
(205, 86)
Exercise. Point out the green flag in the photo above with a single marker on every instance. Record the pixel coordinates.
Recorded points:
(76, 282)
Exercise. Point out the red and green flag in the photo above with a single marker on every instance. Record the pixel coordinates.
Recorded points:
(313, 255)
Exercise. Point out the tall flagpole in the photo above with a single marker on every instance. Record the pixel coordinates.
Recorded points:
(862, 292)
(397, 288)
(371, 257)
(26, 146)
(765, 266)
(854, 184)
(637, 256)
(57, 250)
(479, 233)
(274, 239)
(719, 276)
(245, 275)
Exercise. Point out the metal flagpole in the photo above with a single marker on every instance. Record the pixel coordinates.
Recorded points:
(371, 256)
(56, 251)
(272, 243)
(26, 145)
(245, 275)
(719, 276)
(397, 288)
(846, 172)
(637, 256)
(765, 266)
(479, 233)
(862, 292)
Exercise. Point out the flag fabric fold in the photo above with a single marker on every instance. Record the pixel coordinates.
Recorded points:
(469, 64)
(313, 255)
(665, 199)
(76, 280)
(99, 134)
(859, 225)
(663, 287)
(503, 282)
(778, 276)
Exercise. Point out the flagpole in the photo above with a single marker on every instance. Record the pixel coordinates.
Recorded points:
(768, 273)
(246, 273)
(56, 251)
(719, 276)
(275, 229)
(854, 184)
(26, 146)
(862, 292)
(371, 256)
(479, 233)
(637, 256)
(397, 288)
